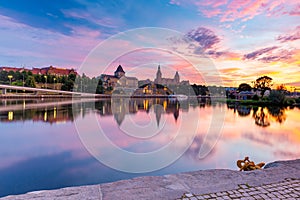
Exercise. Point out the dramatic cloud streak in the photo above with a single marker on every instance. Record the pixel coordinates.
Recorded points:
(224, 55)
(274, 54)
(205, 37)
(295, 35)
(256, 54)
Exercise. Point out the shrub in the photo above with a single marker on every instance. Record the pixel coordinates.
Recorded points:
(289, 101)
(276, 97)
(297, 100)
(255, 97)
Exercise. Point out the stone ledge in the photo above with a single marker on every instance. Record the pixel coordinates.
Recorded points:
(173, 186)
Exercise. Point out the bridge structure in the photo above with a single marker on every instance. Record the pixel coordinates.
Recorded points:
(36, 91)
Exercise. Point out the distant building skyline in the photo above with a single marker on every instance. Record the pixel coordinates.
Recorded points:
(55, 71)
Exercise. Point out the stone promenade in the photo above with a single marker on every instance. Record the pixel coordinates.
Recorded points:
(287, 189)
(279, 180)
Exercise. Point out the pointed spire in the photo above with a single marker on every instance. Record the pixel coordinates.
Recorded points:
(120, 69)
(158, 73)
(176, 77)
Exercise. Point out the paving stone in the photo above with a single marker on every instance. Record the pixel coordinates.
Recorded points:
(213, 195)
(188, 195)
(244, 186)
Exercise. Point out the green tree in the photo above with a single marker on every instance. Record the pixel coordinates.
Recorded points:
(244, 87)
(68, 85)
(3, 77)
(99, 89)
(263, 83)
(30, 82)
(63, 79)
(72, 77)
(38, 78)
(24, 75)
(276, 97)
(18, 76)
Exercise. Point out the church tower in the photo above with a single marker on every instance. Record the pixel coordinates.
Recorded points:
(158, 75)
(119, 72)
(176, 78)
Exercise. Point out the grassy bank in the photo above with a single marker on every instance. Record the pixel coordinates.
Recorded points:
(289, 101)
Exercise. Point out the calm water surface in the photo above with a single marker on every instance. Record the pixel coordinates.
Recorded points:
(41, 149)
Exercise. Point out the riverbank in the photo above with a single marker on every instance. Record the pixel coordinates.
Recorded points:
(291, 101)
(278, 179)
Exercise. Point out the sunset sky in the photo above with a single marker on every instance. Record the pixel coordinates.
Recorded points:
(243, 39)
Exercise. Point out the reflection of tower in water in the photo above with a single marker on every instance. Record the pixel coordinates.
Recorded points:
(158, 110)
(120, 107)
(166, 106)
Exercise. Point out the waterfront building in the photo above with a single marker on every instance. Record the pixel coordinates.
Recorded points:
(119, 80)
(14, 69)
(168, 81)
(42, 71)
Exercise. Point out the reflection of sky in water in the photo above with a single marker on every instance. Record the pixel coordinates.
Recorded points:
(44, 153)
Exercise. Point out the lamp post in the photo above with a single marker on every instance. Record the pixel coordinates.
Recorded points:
(54, 79)
(10, 77)
(23, 79)
(165, 90)
(45, 81)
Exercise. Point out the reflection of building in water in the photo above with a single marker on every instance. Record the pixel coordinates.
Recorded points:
(119, 79)
(49, 114)
(243, 110)
(120, 107)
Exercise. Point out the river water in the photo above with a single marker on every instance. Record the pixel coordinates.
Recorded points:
(48, 144)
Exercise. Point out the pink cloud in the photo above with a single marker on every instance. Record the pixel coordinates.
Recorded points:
(205, 37)
(243, 10)
(294, 35)
(229, 11)
(224, 55)
(273, 54)
(295, 11)
(256, 54)
(211, 13)
(212, 3)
